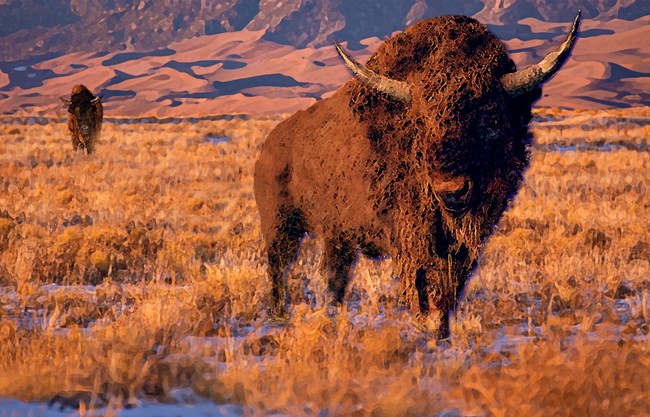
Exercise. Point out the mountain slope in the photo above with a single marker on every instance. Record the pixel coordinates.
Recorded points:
(32, 27)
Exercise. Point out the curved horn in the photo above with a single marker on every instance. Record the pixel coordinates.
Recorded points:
(96, 99)
(523, 81)
(395, 89)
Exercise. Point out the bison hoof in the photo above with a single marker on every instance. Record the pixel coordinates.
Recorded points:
(334, 309)
(278, 315)
(433, 325)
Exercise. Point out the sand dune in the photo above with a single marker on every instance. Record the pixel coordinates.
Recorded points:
(240, 72)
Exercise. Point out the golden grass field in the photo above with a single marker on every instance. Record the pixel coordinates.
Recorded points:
(135, 271)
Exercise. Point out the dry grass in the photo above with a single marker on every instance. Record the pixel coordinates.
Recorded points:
(628, 128)
(137, 269)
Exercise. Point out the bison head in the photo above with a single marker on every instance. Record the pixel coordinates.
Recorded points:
(447, 92)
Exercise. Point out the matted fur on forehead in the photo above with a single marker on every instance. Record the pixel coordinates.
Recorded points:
(442, 45)
(82, 90)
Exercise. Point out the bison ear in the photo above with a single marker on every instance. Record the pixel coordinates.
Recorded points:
(65, 101)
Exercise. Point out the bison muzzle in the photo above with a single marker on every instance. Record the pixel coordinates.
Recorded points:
(85, 116)
(417, 156)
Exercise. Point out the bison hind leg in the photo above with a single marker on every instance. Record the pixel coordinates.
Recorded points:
(281, 251)
(339, 254)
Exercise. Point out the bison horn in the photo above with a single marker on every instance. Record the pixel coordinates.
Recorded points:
(95, 100)
(523, 81)
(396, 89)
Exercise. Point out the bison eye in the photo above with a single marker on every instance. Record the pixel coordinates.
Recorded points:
(454, 194)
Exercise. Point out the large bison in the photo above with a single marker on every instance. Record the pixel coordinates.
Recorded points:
(416, 157)
(85, 116)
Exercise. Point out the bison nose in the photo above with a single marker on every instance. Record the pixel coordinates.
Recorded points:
(454, 194)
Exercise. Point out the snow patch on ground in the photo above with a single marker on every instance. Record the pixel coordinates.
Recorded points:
(196, 407)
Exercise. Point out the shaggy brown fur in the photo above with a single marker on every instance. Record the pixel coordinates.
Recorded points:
(425, 181)
(85, 118)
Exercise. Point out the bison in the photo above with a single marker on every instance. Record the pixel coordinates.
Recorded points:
(417, 156)
(85, 116)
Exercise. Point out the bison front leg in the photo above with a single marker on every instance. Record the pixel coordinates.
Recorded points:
(427, 290)
(437, 293)
(338, 255)
(76, 143)
(281, 251)
(90, 146)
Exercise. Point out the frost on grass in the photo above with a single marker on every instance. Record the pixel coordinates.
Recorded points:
(135, 273)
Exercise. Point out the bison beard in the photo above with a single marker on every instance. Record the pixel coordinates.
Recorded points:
(424, 175)
(85, 114)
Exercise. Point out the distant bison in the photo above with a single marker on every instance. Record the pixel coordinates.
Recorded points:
(85, 114)
(417, 157)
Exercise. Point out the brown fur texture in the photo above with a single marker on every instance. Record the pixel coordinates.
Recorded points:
(85, 118)
(425, 181)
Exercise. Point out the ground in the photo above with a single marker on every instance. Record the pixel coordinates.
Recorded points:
(135, 277)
